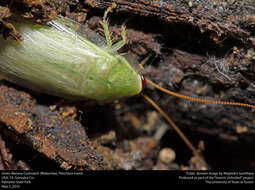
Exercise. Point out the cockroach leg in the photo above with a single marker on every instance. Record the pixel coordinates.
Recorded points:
(121, 43)
(107, 32)
(113, 47)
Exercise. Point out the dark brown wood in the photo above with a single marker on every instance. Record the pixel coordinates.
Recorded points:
(53, 133)
(224, 19)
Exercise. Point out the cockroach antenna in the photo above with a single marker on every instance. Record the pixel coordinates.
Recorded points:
(175, 127)
(198, 99)
(169, 120)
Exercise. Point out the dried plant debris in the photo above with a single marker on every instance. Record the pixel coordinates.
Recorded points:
(133, 154)
(7, 29)
(6, 159)
(5, 156)
(38, 10)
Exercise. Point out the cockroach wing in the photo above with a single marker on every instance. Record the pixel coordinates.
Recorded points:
(57, 61)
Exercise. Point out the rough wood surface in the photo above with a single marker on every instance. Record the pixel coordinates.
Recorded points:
(224, 18)
(53, 133)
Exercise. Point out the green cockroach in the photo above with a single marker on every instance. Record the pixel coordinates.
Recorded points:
(56, 60)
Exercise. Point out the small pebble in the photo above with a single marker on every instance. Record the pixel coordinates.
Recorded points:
(167, 155)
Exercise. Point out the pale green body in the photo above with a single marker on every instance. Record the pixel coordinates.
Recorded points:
(57, 61)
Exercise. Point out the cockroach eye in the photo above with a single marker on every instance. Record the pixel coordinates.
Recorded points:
(143, 81)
